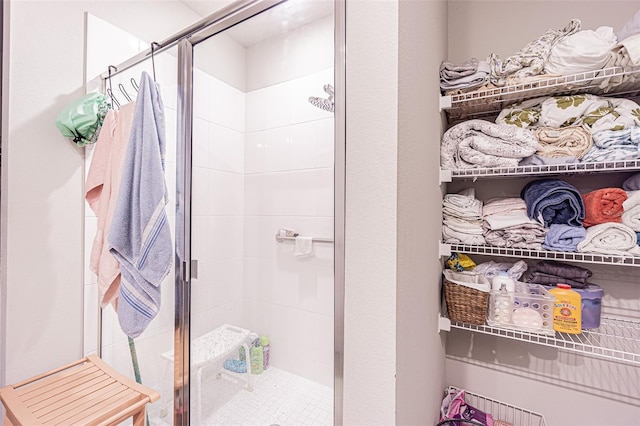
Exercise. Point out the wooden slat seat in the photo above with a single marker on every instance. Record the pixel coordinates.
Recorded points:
(85, 392)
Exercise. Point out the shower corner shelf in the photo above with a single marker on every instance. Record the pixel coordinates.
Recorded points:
(501, 410)
(486, 102)
(602, 259)
(615, 339)
(543, 169)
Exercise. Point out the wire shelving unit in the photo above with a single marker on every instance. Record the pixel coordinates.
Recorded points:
(615, 339)
(603, 259)
(539, 170)
(490, 101)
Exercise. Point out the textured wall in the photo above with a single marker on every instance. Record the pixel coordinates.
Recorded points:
(371, 212)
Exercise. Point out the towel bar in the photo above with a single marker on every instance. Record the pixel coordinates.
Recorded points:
(315, 240)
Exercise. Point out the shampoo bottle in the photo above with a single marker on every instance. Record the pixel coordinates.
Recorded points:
(257, 358)
(264, 341)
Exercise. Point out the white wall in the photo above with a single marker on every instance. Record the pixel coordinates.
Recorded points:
(420, 353)
(371, 212)
(478, 28)
(42, 188)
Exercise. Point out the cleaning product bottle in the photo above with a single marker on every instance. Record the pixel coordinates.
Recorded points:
(264, 341)
(257, 358)
(502, 290)
(566, 309)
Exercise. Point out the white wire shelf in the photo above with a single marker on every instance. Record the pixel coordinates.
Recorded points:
(615, 339)
(489, 101)
(446, 250)
(513, 414)
(572, 168)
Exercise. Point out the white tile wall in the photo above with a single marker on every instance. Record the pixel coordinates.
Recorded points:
(289, 184)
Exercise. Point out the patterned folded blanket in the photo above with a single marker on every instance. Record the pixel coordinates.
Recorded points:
(595, 113)
(603, 205)
(563, 237)
(572, 141)
(479, 143)
(614, 145)
(553, 201)
(610, 238)
(531, 58)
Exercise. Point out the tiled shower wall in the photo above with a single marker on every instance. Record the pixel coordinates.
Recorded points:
(289, 184)
(217, 203)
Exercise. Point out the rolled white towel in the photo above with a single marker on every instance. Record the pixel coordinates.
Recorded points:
(610, 238)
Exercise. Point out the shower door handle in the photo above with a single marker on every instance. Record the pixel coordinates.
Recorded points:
(190, 270)
(194, 268)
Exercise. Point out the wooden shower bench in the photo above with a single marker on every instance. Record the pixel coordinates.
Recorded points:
(86, 392)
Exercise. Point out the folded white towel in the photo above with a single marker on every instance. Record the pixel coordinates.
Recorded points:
(303, 246)
(610, 238)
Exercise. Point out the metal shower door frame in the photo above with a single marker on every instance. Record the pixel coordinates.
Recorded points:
(214, 24)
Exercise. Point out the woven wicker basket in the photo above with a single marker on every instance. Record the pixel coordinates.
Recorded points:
(465, 304)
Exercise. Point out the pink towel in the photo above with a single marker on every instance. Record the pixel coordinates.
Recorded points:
(101, 192)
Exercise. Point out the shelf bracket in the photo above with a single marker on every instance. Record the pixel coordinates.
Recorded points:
(444, 249)
(445, 103)
(444, 323)
(445, 176)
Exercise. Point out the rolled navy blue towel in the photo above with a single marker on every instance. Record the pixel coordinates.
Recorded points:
(553, 201)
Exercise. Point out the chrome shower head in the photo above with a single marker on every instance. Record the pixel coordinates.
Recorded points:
(322, 103)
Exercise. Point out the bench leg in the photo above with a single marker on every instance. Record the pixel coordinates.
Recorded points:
(139, 418)
(7, 422)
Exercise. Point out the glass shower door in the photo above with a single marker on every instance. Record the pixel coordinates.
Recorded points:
(262, 220)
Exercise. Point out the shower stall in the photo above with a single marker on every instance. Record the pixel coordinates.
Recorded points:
(250, 326)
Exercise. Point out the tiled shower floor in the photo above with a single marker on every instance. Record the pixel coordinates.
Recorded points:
(278, 398)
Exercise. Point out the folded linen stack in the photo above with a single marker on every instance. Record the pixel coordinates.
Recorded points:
(506, 224)
(551, 272)
(462, 218)
(614, 145)
(553, 201)
(463, 77)
(603, 205)
(610, 239)
(631, 213)
(479, 143)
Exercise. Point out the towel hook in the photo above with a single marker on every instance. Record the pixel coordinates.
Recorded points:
(153, 61)
(109, 91)
(124, 92)
(134, 84)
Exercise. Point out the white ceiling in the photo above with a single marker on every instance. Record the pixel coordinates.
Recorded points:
(276, 21)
